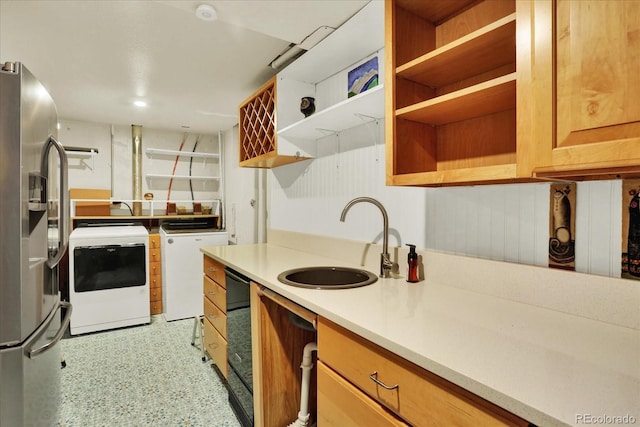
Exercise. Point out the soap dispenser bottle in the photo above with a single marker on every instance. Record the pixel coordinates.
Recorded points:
(412, 260)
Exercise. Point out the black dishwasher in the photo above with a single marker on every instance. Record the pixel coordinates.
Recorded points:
(240, 381)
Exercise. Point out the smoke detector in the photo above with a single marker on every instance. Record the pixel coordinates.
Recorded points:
(206, 12)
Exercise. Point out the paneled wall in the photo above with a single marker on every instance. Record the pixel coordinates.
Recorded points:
(501, 222)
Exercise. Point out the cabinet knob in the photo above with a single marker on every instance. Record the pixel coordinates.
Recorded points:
(211, 269)
(211, 293)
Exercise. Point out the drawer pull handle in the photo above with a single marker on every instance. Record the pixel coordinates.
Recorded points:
(211, 292)
(211, 269)
(374, 378)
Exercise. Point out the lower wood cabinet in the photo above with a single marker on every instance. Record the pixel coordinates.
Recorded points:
(278, 346)
(340, 404)
(215, 313)
(216, 347)
(417, 396)
(155, 274)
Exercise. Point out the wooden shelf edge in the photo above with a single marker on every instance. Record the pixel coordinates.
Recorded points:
(467, 176)
(588, 171)
(485, 98)
(271, 160)
(435, 68)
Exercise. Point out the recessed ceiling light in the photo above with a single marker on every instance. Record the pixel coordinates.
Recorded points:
(139, 103)
(206, 12)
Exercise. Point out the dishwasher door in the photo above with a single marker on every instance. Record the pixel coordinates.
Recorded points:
(240, 381)
(182, 270)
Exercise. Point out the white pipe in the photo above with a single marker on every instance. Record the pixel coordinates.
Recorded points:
(307, 365)
(286, 56)
(136, 168)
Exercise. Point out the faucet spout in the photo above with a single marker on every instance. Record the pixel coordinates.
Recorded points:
(385, 261)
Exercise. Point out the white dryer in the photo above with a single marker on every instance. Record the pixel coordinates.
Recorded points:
(108, 277)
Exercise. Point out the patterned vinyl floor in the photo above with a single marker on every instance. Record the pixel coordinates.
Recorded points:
(140, 376)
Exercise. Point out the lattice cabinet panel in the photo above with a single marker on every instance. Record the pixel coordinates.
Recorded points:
(257, 123)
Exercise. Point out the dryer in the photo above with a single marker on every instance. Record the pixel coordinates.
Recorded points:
(108, 277)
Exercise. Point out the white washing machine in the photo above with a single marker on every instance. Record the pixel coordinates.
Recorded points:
(182, 270)
(108, 277)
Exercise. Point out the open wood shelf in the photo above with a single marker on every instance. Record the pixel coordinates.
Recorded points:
(483, 50)
(479, 100)
(451, 83)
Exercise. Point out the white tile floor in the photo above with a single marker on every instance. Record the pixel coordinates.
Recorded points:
(147, 375)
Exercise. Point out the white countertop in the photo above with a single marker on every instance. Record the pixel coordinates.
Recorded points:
(548, 367)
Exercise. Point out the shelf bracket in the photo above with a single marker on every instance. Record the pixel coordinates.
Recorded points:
(327, 131)
(363, 117)
(375, 120)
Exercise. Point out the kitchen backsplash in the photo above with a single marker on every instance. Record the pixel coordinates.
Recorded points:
(500, 222)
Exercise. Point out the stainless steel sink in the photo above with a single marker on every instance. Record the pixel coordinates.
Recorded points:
(327, 277)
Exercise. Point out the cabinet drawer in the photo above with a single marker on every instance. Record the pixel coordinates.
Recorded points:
(154, 255)
(154, 241)
(418, 396)
(214, 270)
(216, 293)
(155, 294)
(155, 281)
(217, 317)
(155, 268)
(156, 307)
(342, 405)
(216, 346)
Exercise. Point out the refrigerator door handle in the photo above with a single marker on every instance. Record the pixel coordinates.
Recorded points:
(64, 196)
(59, 334)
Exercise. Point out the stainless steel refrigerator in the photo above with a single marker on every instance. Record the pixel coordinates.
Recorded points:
(34, 224)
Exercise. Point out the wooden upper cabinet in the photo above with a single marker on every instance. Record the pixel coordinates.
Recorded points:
(257, 133)
(587, 88)
(451, 92)
(494, 91)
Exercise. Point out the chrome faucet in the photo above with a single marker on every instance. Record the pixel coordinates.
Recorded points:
(385, 261)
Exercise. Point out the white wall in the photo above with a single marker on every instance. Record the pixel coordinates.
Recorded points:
(86, 171)
(501, 222)
(244, 195)
(111, 168)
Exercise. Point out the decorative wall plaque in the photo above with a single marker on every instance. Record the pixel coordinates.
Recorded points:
(631, 229)
(562, 219)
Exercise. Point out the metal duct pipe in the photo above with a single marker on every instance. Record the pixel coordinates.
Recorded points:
(136, 167)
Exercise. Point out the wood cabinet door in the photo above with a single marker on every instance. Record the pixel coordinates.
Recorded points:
(216, 346)
(586, 116)
(414, 394)
(340, 404)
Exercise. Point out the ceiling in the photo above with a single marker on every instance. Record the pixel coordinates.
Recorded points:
(98, 56)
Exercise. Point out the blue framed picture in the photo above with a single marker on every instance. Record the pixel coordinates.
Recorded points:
(363, 77)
